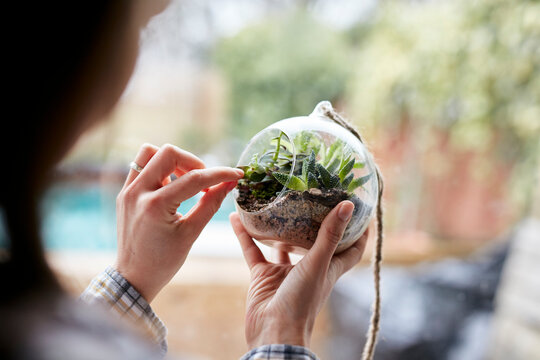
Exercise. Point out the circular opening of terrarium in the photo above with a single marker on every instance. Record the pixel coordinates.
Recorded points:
(296, 171)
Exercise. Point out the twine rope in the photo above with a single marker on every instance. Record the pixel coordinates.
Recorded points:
(374, 325)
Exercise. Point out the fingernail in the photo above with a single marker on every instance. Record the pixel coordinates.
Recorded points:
(345, 211)
(240, 172)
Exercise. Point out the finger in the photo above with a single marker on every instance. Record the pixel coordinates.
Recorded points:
(280, 257)
(166, 181)
(330, 233)
(168, 160)
(146, 152)
(344, 261)
(207, 206)
(252, 253)
(194, 181)
(177, 173)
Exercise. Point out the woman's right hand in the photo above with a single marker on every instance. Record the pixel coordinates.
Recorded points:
(284, 299)
(153, 238)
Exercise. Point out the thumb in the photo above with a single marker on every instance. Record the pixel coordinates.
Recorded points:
(330, 234)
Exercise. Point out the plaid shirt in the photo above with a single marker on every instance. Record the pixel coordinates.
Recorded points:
(112, 290)
(280, 352)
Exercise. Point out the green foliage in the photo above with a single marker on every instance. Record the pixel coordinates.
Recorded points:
(265, 190)
(279, 68)
(358, 182)
(467, 68)
(467, 71)
(308, 173)
(347, 181)
(293, 182)
(312, 180)
(308, 165)
(334, 165)
(346, 169)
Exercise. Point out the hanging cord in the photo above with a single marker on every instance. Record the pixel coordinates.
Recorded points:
(327, 110)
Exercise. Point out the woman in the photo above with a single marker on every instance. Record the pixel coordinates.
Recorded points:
(69, 67)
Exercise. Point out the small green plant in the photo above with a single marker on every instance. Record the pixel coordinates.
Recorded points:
(316, 166)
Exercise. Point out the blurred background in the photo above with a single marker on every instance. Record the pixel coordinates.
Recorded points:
(447, 96)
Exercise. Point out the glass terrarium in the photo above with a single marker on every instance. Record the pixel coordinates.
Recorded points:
(296, 171)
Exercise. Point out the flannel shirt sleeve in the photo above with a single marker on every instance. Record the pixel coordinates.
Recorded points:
(280, 352)
(113, 291)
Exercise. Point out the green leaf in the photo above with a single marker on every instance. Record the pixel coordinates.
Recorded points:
(334, 181)
(278, 146)
(333, 165)
(295, 183)
(359, 165)
(344, 160)
(346, 154)
(322, 153)
(256, 177)
(324, 174)
(304, 169)
(312, 181)
(358, 182)
(254, 162)
(244, 168)
(286, 157)
(302, 140)
(346, 169)
(306, 141)
(285, 146)
(308, 166)
(292, 182)
(331, 151)
(311, 163)
(345, 182)
(282, 178)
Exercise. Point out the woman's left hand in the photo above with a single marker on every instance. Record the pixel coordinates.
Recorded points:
(153, 238)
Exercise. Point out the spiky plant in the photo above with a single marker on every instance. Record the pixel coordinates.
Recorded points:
(316, 166)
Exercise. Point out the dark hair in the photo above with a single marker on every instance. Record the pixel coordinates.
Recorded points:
(57, 53)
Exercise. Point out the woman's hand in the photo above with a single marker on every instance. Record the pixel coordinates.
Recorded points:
(284, 299)
(153, 238)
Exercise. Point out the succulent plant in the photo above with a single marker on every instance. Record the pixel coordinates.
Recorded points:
(316, 166)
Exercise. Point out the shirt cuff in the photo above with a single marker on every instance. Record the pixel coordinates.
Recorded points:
(280, 352)
(111, 289)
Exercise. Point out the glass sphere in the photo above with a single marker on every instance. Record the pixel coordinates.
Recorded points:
(296, 171)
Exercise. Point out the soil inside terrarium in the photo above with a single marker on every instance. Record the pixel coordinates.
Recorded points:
(291, 222)
(328, 198)
(247, 199)
(294, 219)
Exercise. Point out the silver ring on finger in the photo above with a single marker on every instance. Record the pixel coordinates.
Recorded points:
(133, 165)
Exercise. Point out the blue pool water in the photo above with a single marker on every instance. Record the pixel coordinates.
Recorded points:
(77, 217)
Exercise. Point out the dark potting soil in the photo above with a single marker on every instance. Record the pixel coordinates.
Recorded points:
(329, 198)
(293, 220)
(249, 202)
